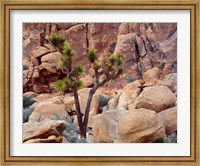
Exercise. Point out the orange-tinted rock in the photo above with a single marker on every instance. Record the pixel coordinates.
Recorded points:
(140, 125)
(157, 98)
(43, 130)
(169, 117)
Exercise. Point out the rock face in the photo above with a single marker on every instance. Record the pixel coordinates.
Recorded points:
(76, 36)
(144, 46)
(142, 100)
(50, 131)
(140, 125)
(169, 117)
(157, 98)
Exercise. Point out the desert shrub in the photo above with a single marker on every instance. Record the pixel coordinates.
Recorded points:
(130, 79)
(171, 138)
(57, 40)
(72, 134)
(103, 100)
(27, 112)
(28, 101)
(174, 66)
(25, 67)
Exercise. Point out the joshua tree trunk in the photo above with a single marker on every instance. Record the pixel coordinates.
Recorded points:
(87, 110)
(83, 123)
(79, 114)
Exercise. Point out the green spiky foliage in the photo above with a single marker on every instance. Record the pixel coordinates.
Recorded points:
(78, 70)
(67, 50)
(78, 84)
(57, 40)
(60, 86)
(68, 82)
(115, 62)
(92, 55)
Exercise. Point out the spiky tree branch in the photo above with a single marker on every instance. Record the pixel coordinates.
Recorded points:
(111, 69)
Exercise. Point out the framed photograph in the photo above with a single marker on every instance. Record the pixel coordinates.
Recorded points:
(99, 82)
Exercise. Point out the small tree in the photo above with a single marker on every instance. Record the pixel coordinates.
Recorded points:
(111, 68)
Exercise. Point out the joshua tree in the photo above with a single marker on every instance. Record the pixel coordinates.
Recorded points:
(110, 68)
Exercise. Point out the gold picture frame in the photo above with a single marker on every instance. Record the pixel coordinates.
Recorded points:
(7, 5)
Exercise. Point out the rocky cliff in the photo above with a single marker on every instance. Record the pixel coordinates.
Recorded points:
(144, 46)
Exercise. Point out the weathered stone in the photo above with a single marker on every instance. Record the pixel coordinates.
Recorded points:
(51, 109)
(42, 130)
(129, 94)
(50, 139)
(76, 36)
(126, 46)
(31, 94)
(88, 81)
(91, 72)
(151, 75)
(172, 77)
(157, 98)
(40, 52)
(105, 126)
(69, 102)
(141, 47)
(32, 42)
(140, 125)
(169, 117)
(112, 104)
(103, 37)
(123, 29)
(49, 62)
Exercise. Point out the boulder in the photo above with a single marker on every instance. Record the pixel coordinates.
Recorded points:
(140, 126)
(88, 81)
(40, 52)
(105, 126)
(157, 98)
(49, 62)
(172, 77)
(169, 117)
(32, 42)
(31, 94)
(41, 88)
(51, 109)
(140, 45)
(151, 78)
(126, 46)
(123, 29)
(168, 83)
(151, 75)
(129, 94)
(50, 130)
(112, 104)
(91, 119)
(50, 139)
(91, 72)
(69, 102)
